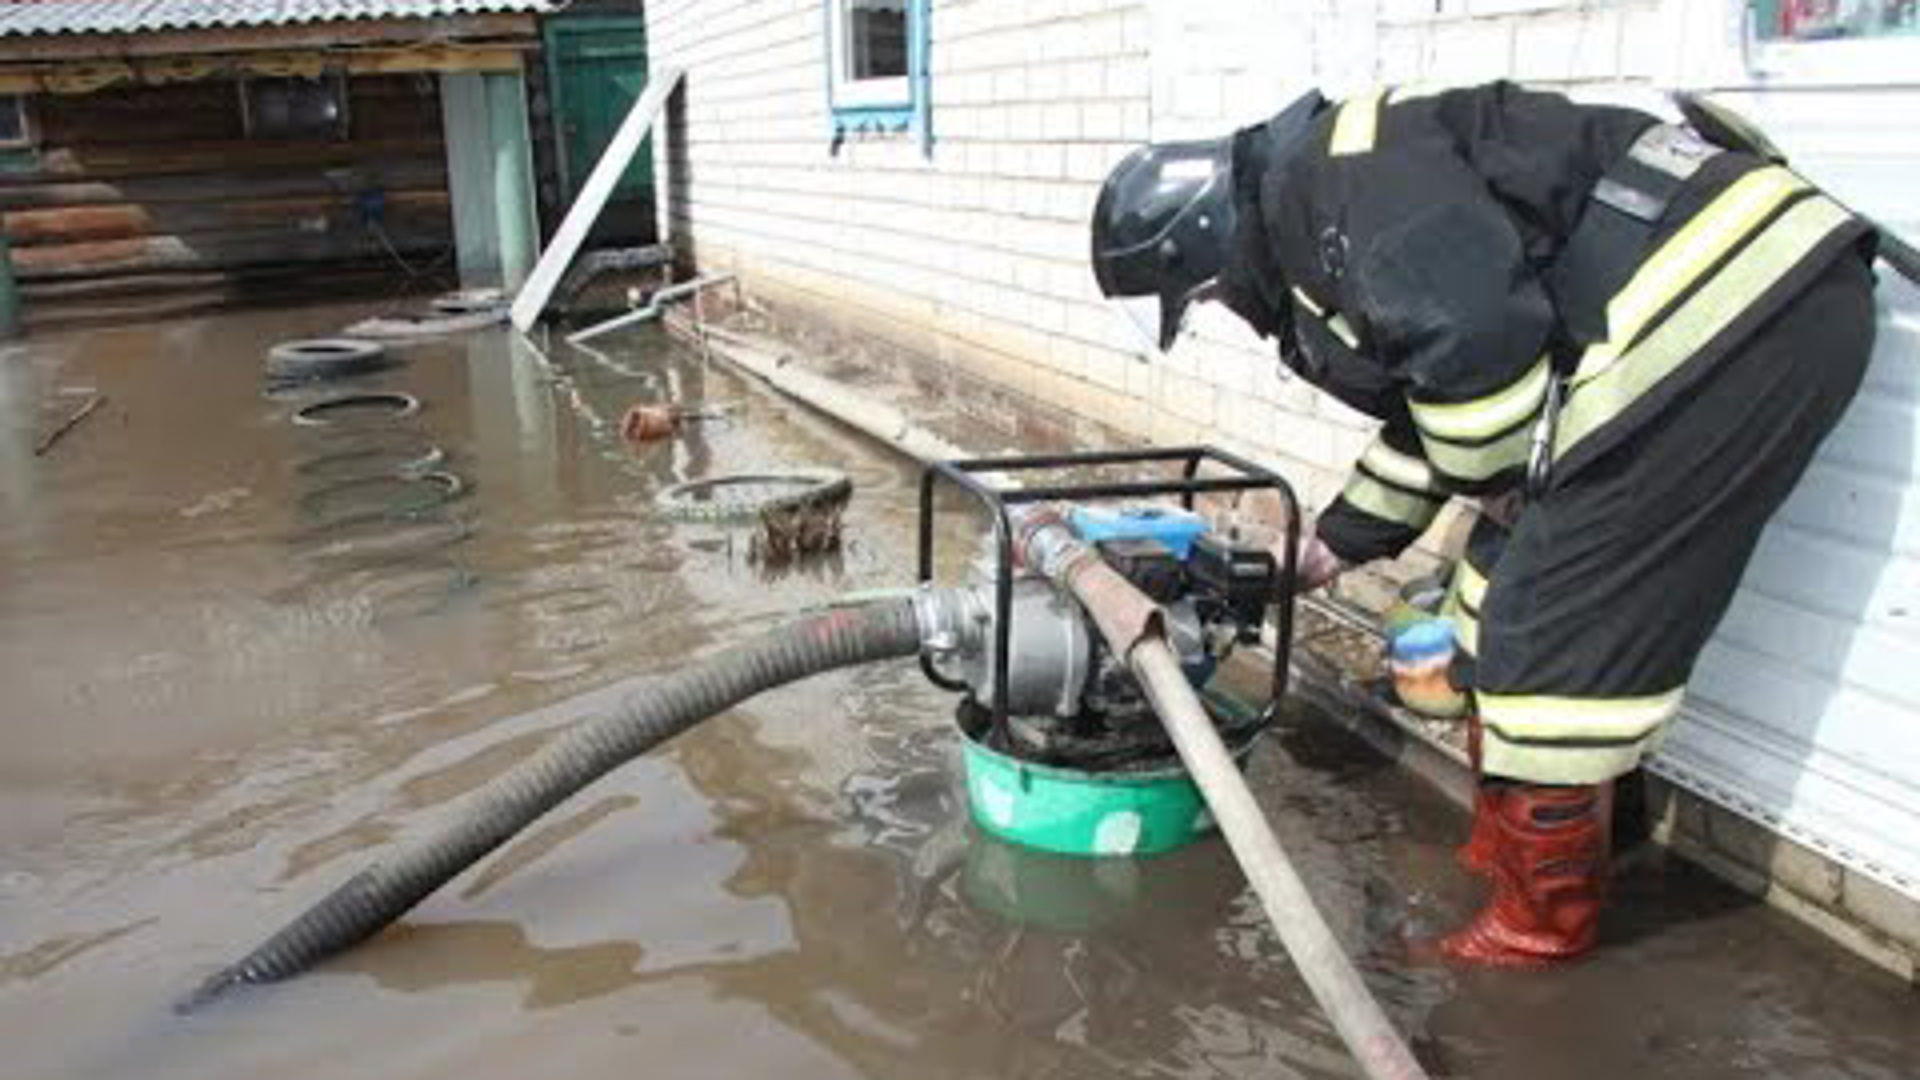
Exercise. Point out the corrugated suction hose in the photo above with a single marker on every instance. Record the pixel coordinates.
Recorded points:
(665, 707)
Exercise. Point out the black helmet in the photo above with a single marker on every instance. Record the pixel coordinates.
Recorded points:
(1163, 229)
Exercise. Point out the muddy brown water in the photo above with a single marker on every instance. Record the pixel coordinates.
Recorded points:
(219, 701)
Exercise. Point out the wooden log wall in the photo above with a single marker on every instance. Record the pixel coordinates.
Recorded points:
(152, 199)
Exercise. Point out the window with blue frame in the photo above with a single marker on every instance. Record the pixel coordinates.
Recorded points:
(1824, 20)
(877, 67)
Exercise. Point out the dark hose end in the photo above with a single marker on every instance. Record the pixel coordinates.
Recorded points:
(216, 984)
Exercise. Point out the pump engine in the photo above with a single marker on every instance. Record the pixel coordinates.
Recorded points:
(1067, 699)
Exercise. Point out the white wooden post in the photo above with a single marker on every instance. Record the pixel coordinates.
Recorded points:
(613, 162)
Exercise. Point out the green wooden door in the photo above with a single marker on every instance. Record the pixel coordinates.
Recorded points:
(596, 67)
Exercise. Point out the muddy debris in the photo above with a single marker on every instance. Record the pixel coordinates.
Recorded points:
(652, 423)
(649, 423)
(789, 532)
(72, 421)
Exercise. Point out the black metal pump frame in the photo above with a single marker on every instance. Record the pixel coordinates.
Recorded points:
(965, 475)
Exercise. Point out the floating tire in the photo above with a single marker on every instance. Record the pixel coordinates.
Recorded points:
(318, 359)
(747, 496)
(348, 410)
(470, 302)
(403, 328)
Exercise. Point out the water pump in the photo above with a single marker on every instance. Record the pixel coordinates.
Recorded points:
(1064, 751)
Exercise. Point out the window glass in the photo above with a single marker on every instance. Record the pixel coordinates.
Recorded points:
(876, 39)
(13, 119)
(295, 108)
(1828, 20)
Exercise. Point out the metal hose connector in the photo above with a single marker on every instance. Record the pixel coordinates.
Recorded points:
(367, 902)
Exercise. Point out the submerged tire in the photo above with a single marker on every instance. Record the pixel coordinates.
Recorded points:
(380, 498)
(745, 496)
(386, 540)
(377, 452)
(315, 359)
(347, 410)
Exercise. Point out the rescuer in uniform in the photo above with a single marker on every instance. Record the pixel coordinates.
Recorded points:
(1635, 332)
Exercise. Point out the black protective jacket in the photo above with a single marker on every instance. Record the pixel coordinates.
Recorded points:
(1434, 259)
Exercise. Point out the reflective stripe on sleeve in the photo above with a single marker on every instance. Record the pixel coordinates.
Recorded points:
(1479, 463)
(1466, 631)
(1390, 503)
(1773, 254)
(1356, 125)
(1403, 470)
(1309, 302)
(1465, 594)
(1473, 586)
(1488, 416)
(1343, 330)
(1670, 271)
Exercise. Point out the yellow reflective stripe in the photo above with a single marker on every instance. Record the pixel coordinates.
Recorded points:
(1550, 716)
(1403, 469)
(1686, 255)
(1479, 462)
(1485, 417)
(1731, 292)
(1466, 632)
(1355, 126)
(1473, 585)
(1343, 330)
(1390, 503)
(1308, 302)
(1537, 764)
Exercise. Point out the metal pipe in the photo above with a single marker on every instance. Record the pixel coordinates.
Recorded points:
(1328, 973)
(655, 304)
(1132, 626)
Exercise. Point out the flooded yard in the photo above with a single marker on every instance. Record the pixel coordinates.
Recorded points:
(229, 680)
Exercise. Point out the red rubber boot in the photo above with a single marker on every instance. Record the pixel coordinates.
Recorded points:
(1476, 855)
(1549, 870)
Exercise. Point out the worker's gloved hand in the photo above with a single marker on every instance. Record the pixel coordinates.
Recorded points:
(1317, 564)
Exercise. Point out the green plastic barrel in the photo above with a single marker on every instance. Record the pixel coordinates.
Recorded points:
(1081, 813)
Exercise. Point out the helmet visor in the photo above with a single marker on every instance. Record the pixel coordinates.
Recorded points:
(1143, 314)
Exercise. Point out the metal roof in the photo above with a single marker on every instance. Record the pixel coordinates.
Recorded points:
(21, 18)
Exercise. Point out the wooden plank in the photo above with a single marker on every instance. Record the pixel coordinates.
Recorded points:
(268, 38)
(53, 292)
(532, 298)
(108, 163)
(261, 285)
(96, 75)
(26, 228)
(148, 254)
(499, 59)
(211, 111)
(404, 174)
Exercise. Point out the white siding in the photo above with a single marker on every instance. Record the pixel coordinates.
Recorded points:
(1805, 711)
(978, 253)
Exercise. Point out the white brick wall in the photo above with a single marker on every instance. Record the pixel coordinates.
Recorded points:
(983, 248)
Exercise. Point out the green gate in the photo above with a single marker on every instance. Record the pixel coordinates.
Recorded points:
(596, 68)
